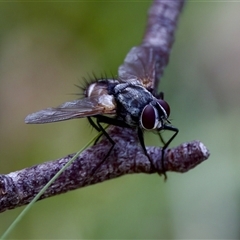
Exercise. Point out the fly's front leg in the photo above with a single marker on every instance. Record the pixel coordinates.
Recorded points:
(141, 140)
(161, 138)
(175, 130)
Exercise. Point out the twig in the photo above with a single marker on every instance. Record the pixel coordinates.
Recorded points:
(18, 188)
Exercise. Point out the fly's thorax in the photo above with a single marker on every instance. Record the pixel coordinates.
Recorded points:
(131, 99)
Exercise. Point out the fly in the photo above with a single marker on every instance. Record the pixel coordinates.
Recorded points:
(129, 101)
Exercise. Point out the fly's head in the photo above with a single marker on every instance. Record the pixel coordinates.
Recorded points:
(155, 115)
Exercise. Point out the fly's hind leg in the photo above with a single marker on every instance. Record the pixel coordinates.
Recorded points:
(103, 132)
(95, 126)
(99, 128)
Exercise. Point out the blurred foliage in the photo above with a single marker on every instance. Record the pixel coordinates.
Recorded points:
(47, 47)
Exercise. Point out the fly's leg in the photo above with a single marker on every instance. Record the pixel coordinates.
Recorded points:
(98, 127)
(175, 130)
(95, 126)
(161, 138)
(109, 151)
(141, 140)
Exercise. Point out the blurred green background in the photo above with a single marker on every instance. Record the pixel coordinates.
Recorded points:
(46, 48)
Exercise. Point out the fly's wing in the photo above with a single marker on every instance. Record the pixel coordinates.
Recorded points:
(85, 107)
(141, 64)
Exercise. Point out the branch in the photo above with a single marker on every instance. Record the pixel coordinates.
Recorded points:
(159, 34)
(19, 188)
(162, 22)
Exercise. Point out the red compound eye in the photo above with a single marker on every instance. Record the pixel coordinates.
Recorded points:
(148, 117)
(164, 105)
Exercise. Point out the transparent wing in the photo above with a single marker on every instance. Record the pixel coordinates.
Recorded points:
(85, 107)
(140, 64)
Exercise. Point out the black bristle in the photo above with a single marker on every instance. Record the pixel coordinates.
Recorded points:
(84, 83)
